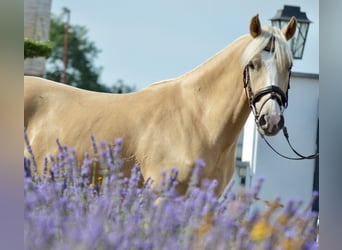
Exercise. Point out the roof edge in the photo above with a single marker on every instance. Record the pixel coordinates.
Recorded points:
(305, 75)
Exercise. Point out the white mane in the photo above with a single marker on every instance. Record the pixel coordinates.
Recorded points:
(282, 51)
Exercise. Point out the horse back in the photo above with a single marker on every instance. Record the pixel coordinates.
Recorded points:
(36, 96)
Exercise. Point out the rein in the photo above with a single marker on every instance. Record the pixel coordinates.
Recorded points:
(300, 156)
(282, 99)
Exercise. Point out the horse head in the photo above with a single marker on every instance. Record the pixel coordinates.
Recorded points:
(267, 62)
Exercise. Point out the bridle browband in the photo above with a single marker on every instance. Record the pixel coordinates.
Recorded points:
(275, 93)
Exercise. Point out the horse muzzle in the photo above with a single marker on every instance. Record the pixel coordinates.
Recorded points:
(270, 124)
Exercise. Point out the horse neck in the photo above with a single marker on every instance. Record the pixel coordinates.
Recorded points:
(217, 93)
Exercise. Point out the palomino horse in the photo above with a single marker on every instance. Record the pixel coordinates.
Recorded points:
(175, 122)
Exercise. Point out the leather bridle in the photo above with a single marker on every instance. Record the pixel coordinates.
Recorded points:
(275, 93)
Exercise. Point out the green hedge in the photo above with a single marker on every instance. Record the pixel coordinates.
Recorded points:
(36, 48)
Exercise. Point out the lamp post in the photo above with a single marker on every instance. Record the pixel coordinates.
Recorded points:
(66, 40)
(298, 41)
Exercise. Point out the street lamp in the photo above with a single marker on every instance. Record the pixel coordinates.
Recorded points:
(66, 40)
(298, 41)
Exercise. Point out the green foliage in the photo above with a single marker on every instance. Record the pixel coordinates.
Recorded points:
(120, 88)
(81, 71)
(36, 48)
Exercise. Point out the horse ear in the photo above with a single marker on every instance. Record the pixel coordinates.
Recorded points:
(290, 29)
(255, 27)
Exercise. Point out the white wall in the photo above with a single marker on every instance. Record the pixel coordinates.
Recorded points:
(287, 178)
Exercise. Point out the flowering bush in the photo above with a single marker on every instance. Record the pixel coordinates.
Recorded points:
(67, 209)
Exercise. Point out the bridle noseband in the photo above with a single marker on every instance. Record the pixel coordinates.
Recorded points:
(276, 93)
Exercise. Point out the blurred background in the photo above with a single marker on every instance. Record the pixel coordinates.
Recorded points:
(136, 43)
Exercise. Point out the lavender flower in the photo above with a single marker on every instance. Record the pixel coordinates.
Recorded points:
(30, 151)
(63, 210)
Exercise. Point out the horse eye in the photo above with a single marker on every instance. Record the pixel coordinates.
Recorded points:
(251, 65)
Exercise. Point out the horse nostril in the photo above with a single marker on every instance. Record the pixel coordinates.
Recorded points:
(270, 125)
(262, 120)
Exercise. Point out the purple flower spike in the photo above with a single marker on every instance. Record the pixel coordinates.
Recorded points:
(118, 141)
(27, 168)
(261, 179)
(72, 208)
(200, 163)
